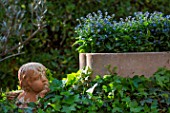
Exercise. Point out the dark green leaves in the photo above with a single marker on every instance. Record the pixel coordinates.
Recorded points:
(111, 93)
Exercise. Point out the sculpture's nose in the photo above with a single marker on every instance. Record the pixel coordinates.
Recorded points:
(44, 79)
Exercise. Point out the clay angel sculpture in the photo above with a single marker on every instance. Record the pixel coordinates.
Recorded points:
(33, 82)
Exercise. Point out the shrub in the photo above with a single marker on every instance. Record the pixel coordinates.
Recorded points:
(143, 32)
(111, 93)
(58, 36)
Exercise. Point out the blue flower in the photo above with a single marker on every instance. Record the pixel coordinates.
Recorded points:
(167, 16)
(81, 18)
(129, 17)
(99, 11)
(105, 20)
(108, 17)
(113, 15)
(130, 24)
(77, 19)
(106, 13)
(98, 30)
(98, 43)
(134, 37)
(146, 14)
(154, 25)
(121, 19)
(92, 31)
(152, 30)
(165, 30)
(159, 42)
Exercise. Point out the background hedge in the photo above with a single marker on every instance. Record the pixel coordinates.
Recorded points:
(53, 46)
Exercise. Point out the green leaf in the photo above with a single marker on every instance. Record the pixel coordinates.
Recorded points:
(71, 99)
(56, 106)
(108, 46)
(126, 99)
(154, 105)
(145, 23)
(146, 108)
(92, 108)
(72, 78)
(136, 110)
(68, 109)
(116, 109)
(40, 110)
(136, 81)
(56, 85)
(160, 80)
(56, 98)
(105, 88)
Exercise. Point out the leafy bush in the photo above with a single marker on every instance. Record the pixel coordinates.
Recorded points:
(142, 32)
(15, 32)
(110, 93)
(57, 37)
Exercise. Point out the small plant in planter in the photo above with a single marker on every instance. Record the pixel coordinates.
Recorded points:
(148, 33)
(143, 32)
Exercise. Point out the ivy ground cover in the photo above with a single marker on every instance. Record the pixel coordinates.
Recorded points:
(111, 93)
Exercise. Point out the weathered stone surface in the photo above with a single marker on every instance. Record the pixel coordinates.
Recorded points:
(33, 82)
(128, 64)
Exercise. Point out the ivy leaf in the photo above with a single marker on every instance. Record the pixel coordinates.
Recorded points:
(154, 105)
(55, 85)
(116, 109)
(168, 101)
(40, 110)
(160, 80)
(72, 78)
(56, 106)
(126, 99)
(136, 81)
(149, 100)
(71, 99)
(65, 93)
(56, 98)
(50, 95)
(137, 109)
(104, 87)
(68, 109)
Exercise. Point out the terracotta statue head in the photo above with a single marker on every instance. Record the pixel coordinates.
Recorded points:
(33, 82)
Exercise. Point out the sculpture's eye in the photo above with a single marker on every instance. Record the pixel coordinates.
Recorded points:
(37, 78)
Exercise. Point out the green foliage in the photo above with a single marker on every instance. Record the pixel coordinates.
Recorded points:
(15, 32)
(110, 93)
(53, 45)
(146, 32)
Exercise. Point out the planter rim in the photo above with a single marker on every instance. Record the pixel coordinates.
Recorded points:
(127, 53)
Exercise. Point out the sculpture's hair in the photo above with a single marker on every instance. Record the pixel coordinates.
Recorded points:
(30, 69)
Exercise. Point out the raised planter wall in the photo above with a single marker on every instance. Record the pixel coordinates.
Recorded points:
(128, 64)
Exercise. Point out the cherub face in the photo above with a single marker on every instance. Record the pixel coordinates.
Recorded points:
(37, 82)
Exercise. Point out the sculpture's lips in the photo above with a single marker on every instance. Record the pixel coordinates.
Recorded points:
(46, 86)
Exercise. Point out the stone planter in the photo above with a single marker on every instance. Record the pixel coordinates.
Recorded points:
(128, 64)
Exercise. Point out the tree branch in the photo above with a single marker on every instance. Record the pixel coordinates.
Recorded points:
(13, 55)
(22, 43)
